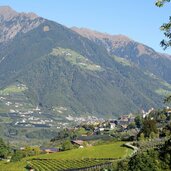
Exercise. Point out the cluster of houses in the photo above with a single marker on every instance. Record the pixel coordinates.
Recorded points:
(103, 126)
(107, 125)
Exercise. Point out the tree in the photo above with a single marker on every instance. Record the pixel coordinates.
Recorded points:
(160, 3)
(67, 145)
(4, 149)
(165, 155)
(167, 99)
(31, 151)
(165, 27)
(145, 161)
(122, 165)
(36, 150)
(162, 117)
(17, 156)
(132, 125)
(138, 121)
(152, 135)
(141, 138)
(149, 126)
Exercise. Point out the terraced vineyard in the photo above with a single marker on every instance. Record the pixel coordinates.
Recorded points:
(61, 165)
(92, 158)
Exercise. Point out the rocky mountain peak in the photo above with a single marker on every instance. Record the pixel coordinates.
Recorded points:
(12, 22)
(30, 15)
(108, 40)
(92, 34)
(7, 12)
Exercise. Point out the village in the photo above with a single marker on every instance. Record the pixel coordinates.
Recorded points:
(91, 131)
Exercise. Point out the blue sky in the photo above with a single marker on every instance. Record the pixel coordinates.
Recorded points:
(138, 19)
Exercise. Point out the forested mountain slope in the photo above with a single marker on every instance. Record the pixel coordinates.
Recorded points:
(62, 68)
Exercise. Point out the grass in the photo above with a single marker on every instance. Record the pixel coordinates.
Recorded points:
(82, 131)
(76, 59)
(12, 89)
(163, 92)
(122, 61)
(112, 150)
(5, 119)
(4, 109)
(16, 166)
(166, 84)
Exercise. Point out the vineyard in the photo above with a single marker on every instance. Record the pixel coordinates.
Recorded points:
(89, 158)
(68, 165)
(112, 150)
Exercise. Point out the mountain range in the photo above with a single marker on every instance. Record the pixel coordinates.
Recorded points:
(80, 70)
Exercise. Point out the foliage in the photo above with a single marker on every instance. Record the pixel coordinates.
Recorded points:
(132, 125)
(4, 149)
(160, 116)
(67, 145)
(141, 137)
(138, 121)
(165, 27)
(66, 134)
(31, 151)
(26, 152)
(93, 155)
(146, 161)
(165, 155)
(54, 79)
(122, 165)
(166, 131)
(41, 134)
(149, 126)
(167, 99)
(153, 158)
(160, 3)
(17, 156)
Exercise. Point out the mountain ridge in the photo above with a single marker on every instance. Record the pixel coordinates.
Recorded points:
(137, 53)
(13, 23)
(93, 34)
(63, 68)
(8, 13)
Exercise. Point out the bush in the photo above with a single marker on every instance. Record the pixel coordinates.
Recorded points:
(4, 149)
(17, 156)
(67, 145)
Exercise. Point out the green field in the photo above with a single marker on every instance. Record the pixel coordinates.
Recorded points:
(76, 59)
(113, 150)
(122, 61)
(12, 89)
(60, 165)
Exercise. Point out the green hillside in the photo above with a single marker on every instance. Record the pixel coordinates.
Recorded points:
(133, 52)
(60, 68)
(114, 150)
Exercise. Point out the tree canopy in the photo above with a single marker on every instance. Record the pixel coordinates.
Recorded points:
(4, 149)
(167, 99)
(160, 3)
(166, 27)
